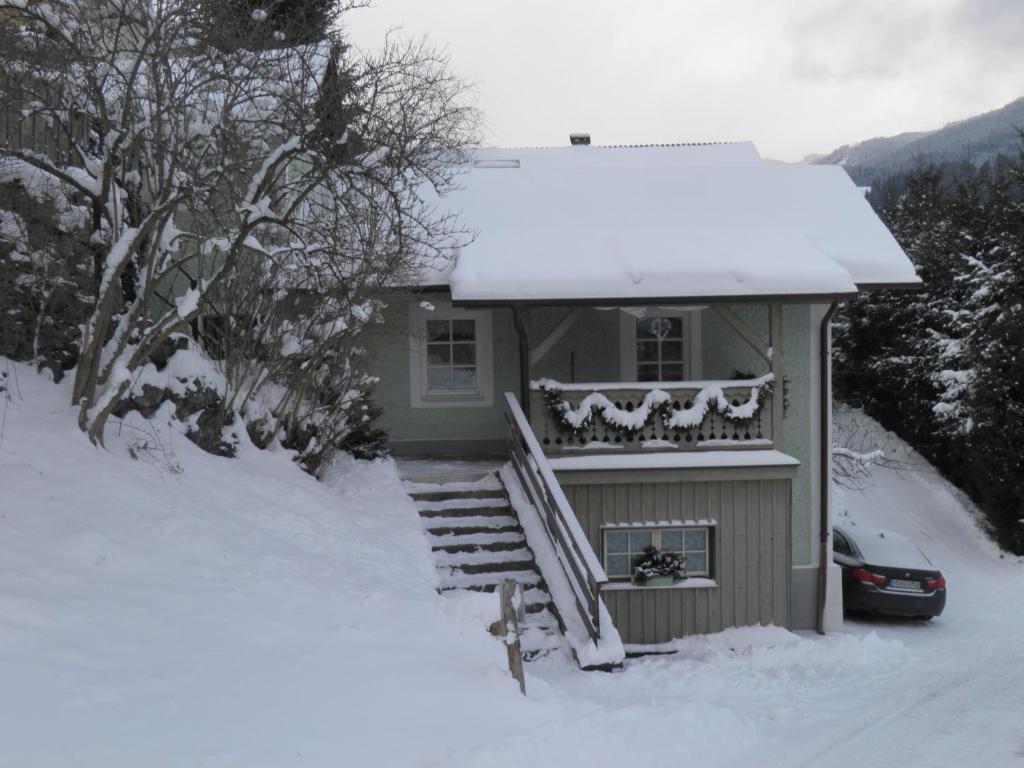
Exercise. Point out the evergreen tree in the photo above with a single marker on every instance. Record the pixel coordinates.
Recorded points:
(995, 440)
(943, 367)
(229, 24)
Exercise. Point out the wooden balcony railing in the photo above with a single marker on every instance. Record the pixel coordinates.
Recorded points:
(651, 417)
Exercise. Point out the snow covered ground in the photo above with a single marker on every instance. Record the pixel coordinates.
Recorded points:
(189, 610)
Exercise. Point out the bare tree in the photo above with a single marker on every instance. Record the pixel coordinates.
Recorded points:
(293, 178)
(857, 451)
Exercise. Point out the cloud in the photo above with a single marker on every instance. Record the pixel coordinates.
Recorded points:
(992, 25)
(859, 41)
(796, 76)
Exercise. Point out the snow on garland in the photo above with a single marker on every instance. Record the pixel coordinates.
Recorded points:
(657, 403)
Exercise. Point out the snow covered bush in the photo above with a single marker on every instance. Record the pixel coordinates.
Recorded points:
(252, 180)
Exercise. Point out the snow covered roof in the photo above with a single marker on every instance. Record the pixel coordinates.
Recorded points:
(619, 224)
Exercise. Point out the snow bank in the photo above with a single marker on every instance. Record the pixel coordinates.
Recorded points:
(187, 609)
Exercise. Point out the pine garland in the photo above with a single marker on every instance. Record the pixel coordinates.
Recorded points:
(657, 404)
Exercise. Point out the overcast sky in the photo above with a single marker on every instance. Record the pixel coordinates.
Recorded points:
(795, 76)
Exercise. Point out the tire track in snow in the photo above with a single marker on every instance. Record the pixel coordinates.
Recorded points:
(934, 717)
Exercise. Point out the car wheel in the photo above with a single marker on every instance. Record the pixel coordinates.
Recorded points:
(924, 618)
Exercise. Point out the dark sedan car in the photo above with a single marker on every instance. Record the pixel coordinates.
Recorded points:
(883, 572)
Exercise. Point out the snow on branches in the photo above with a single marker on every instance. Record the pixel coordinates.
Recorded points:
(231, 181)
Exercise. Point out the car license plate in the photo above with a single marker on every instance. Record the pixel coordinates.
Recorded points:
(904, 584)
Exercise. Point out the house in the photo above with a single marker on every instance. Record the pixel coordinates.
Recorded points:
(644, 331)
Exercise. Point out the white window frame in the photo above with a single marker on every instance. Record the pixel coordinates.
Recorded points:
(691, 341)
(656, 531)
(420, 396)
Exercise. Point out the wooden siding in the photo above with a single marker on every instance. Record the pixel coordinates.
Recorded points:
(750, 552)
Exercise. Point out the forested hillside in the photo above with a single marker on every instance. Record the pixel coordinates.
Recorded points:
(976, 140)
(944, 367)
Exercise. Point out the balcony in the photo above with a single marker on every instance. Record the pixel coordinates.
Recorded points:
(663, 416)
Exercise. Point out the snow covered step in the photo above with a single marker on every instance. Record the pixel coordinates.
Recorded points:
(482, 485)
(462, 503)
(516, 557)
(466, 512)
(488, 582)
(498, 566)
(454, 507)
(536, 643)
(496, 546)
(475, 539)
(440, 526)
(542, 619)
(537, 600)
(433, 496)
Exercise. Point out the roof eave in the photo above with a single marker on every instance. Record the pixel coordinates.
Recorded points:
(905, 286)
(629, 301)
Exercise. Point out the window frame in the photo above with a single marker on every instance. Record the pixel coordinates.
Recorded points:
(656, 531)
(420, 394)
(691, 337)
(451, 344)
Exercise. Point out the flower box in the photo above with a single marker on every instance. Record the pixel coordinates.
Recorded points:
(658, 581)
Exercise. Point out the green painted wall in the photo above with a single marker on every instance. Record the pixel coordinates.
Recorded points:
(724, 354)
(591, 350)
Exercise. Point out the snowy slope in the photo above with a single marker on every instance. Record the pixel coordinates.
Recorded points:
(237, 613)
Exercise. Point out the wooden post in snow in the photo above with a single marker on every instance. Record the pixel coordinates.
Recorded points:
(511, 602)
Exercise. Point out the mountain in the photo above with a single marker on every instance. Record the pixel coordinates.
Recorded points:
(976, 139)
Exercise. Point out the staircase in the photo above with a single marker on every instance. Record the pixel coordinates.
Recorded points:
(477, 543)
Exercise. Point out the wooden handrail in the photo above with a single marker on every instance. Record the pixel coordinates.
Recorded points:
(584, 570)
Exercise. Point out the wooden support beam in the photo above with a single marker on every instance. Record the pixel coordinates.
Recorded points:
(519, 318)
(744, 331)
(775, 362)
(556, 334)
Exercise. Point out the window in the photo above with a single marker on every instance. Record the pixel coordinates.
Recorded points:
(662, 346)
(841, 545)
(659, 349)
(450, 356)
(623, 545)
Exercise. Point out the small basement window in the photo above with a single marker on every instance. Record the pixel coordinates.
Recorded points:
(622, 546)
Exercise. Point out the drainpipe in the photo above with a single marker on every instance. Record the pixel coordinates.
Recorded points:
(825, 464)
(519, 318)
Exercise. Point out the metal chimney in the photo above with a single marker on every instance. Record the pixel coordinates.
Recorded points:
(579, 139)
